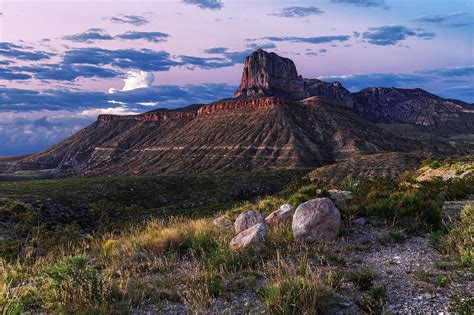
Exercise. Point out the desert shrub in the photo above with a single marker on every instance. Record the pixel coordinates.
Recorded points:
(296, 296)
(461, 238)
(306, 193)
(74, 283)
(392, 237)
(350, 185)
(437, 240)
(433, 163)
(410, 204)
(269, 204)
(450, 189)
(361, 278)
(294, 286)
(370, 191)
(459, 188)
(280, 236)
(462, 305)
(374, 303)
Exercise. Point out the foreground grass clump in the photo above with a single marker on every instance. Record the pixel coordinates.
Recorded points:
(68, 285)
(74, 283)
(461, 238)
(361, 278)
(297, 289)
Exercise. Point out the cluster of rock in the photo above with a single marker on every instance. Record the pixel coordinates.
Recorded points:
(314, 220)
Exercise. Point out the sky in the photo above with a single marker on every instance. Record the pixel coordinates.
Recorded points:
(62, 63)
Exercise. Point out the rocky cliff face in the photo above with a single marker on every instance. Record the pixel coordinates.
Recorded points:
(267, 74)
(332, 92)
(411, 106)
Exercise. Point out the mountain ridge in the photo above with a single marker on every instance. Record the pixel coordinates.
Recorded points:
(272, 122)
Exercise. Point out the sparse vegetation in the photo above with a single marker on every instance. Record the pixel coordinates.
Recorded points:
(374, 303)
(460, 239)
(187, 260)
(361, 278)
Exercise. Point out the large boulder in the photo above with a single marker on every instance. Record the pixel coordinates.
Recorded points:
(253, 237)
(340, 197)
(247, 219)
(316, 220)
(283, 215)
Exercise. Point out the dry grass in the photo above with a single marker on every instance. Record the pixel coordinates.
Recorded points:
(297, 287)
(461, 239)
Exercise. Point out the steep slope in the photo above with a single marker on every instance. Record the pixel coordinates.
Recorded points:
(224, 136)
(413, 106)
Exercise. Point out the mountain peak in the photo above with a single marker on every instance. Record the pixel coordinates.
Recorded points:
(267, 74)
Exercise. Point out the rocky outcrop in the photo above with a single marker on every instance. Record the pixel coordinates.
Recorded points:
(267, 74)
(236, 104)
(153, 116)
(281, 216)
(247, 219)
(331, 92)
(405, 106)
(253, 237)
(316, 220)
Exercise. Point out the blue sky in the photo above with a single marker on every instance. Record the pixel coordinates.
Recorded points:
(64, 62)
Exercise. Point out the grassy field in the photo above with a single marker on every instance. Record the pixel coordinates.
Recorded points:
(75, 207)
(187, 262)
(167, 192)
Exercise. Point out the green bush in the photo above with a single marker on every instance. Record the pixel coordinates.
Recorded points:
(74, 283)
(432, 163)
(306, 193)
(408, 204)
(370, 191)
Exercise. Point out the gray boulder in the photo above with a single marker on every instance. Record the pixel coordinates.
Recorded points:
(283, 215)
(253, 237)
(316, 220)
(247, 219)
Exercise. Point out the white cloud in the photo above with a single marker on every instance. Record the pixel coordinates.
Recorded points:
(123, 110)
(148, 103)
(136, 80)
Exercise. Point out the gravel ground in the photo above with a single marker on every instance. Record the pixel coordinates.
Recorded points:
(418, 278)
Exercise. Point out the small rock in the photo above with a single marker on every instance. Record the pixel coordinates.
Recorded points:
(316, 219)
(280, 216)
(251, 237)
(222, 222)
(340, 197)
(247, 219)
(360, 221)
